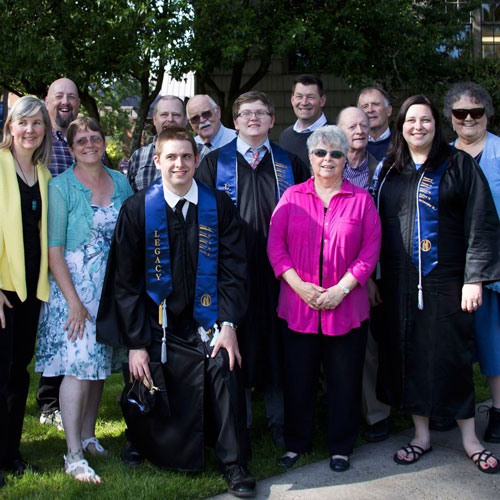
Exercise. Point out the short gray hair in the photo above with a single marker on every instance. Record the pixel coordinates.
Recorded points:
(471, 90)
(330, 135)
(170, 98)
(30, 106)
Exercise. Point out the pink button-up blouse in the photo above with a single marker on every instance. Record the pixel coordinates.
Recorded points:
(350, 231)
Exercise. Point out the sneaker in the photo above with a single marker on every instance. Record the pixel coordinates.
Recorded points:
(52, 418)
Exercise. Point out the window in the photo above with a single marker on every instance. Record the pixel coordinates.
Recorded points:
(490, 29)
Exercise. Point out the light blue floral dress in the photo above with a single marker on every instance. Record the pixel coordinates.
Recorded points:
(85, 359)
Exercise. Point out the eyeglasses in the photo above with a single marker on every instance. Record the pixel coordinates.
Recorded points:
(321, 153)
(206, 115)
(461, 114)
(93, 139)
(259, 114)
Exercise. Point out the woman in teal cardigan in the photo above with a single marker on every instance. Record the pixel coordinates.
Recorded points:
(84, 202)
(24, 156)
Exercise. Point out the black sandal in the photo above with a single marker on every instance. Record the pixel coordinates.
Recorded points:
(415, 450)
(480, 458)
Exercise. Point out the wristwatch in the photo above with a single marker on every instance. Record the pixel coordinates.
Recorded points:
(228, 323)
(344, 288)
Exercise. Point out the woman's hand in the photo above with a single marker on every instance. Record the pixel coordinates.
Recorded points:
(310, 294)
(331, 298)
(75, 324)
(472, 296)
(4, 301)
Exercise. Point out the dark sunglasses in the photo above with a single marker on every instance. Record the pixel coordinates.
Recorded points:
(206, 115)
(461, 114)
(321, 153)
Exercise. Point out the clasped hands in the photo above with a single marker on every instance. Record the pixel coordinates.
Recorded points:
(319, 298)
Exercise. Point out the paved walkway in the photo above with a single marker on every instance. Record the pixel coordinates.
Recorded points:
(444, 474)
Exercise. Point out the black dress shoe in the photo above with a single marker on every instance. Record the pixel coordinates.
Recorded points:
(239, 481)
(442, 424)
(339, 464)
(19, 466)
(492, 432)
(130, 456)
(287, 461)
(377, 432)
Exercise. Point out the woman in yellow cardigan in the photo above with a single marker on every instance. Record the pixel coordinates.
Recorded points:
(24, 155)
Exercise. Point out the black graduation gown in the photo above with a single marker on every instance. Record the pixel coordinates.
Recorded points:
(426, 355)
(128, 317)
(258, 334)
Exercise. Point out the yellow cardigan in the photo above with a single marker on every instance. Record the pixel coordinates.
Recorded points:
(12, 268)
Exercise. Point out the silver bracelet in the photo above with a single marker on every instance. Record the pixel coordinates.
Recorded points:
(228, 323)
(344, 288)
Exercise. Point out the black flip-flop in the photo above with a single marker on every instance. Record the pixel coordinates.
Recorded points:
(481, 457)
(415, 450)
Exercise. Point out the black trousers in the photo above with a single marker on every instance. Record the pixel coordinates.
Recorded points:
(17, 344)
(47, 396)
(342, 358)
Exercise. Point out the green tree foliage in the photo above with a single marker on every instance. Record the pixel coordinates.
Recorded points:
(393, 43)
(93, 42)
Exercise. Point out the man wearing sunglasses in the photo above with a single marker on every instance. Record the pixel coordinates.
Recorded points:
(168, 111)
(204, 117)
(255, 173)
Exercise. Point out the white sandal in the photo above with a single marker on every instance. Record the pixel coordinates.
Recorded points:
(88, 475)
(99, 450)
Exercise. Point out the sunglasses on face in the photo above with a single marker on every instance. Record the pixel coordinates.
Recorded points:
(461, 114)
(321, 153)
(94, 139)
(206, 115)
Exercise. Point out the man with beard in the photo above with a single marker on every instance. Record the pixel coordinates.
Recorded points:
(63, 105)
(169, 111)
(204, 118)
(308, 100)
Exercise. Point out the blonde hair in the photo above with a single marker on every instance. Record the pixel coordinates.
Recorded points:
(30, 106)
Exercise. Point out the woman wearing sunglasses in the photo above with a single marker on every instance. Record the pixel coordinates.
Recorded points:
(469, 107)
(440, 241)
(84, 202)
(324, 243)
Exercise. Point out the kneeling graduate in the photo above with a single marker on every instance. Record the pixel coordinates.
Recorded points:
(174, 291)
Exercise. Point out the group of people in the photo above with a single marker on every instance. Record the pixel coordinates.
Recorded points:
(367, 256)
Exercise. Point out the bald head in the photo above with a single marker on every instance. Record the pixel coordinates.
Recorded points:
(204, 116)
(356, 124)
(63, 103)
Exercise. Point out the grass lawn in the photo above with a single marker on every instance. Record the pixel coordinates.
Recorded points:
(44, 446)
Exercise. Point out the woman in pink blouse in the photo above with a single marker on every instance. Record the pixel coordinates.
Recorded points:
(324, 242)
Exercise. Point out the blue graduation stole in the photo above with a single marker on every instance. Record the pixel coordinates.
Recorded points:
(227, 170)
(374, 183)
(425, 234)
(158, 270)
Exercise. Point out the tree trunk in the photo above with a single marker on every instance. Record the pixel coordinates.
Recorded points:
(89, 104)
